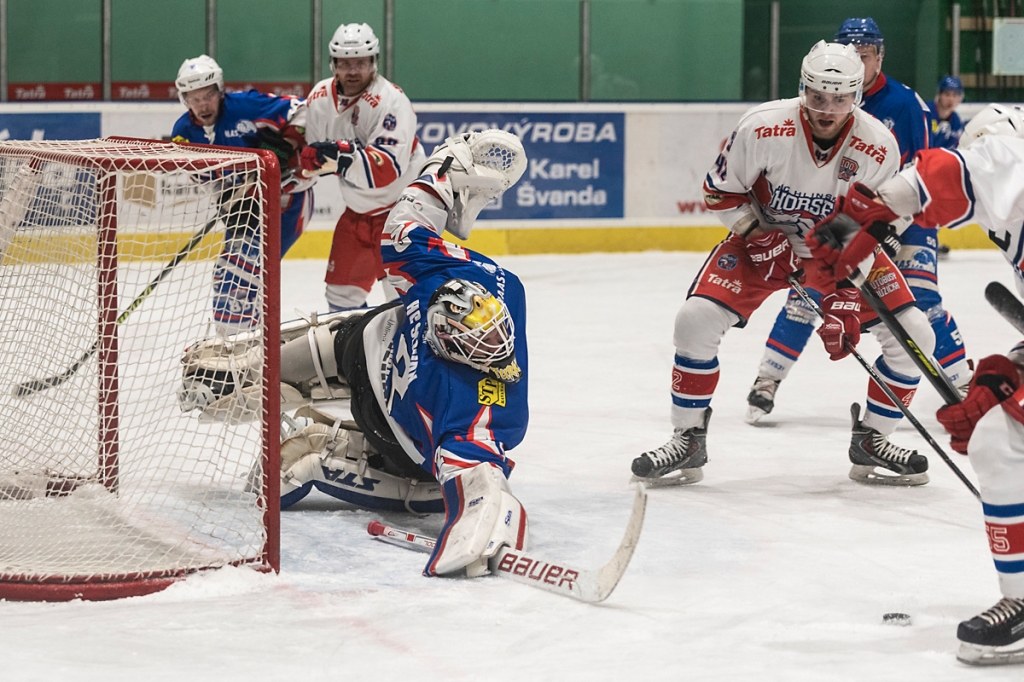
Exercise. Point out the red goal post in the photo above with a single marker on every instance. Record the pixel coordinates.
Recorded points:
(107, 253)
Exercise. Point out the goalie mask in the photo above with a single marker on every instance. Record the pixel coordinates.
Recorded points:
(483, 166)
(466, 324)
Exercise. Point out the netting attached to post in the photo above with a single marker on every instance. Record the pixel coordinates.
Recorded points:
(109, 252)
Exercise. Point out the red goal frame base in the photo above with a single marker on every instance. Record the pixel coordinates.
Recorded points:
(96, 591)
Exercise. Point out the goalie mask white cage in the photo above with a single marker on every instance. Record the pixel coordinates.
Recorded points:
(107, 251)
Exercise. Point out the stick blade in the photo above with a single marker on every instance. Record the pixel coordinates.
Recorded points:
(1006, 304)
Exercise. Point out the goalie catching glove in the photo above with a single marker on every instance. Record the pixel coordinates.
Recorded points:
(995, 379)
(477, 168)
(321, 158)
(859, 215)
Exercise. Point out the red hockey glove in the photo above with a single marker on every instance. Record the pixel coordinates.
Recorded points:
(995, 380)
(319, 158)
(773, 256)
(861, 224)
(840, 331)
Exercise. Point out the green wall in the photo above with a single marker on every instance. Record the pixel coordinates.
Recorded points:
(445, 50)
(914, 30)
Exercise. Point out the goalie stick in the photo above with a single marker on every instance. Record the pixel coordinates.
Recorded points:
(1006, 304)
(798, 288)
(28, 388)
(587, 585)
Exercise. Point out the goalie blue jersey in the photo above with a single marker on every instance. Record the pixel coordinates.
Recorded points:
(456, 416)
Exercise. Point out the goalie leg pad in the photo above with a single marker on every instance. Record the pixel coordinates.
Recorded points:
(481, 515)
(335, 462)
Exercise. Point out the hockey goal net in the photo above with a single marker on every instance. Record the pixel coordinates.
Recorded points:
(108, 251)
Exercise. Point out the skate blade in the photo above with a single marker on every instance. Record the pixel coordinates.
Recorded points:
(871, 475)
(754, 414)
(672, 478)
(976, 654)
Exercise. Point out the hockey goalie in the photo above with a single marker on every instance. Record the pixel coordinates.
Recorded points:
(436, 382)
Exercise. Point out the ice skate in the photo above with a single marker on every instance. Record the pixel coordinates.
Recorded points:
(995, 636)
(876, 461)
(682, 457)
(761, 398)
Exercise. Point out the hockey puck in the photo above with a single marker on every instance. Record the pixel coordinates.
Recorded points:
(901, 619)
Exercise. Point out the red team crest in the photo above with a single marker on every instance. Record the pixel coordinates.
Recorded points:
(847, 168)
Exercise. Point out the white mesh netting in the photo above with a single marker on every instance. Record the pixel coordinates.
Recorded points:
(102, 476)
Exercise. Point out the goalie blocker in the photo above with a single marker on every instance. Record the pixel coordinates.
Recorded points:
(437, 417)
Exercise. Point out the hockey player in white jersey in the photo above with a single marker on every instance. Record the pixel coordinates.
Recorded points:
(982, 182)
(782, 171)
(361, 128)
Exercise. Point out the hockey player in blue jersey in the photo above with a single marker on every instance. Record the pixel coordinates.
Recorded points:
(905, 114)
(252, 120)
(946, 124)
(438, 379)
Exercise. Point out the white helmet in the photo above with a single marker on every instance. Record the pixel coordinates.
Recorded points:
(995, 119)
(198, 73)
(835, 70)
(354, 40)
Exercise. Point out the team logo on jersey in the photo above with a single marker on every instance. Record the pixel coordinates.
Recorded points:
(847, 168)
(889, 123)
(355, 115)
(727, 261)
(390, 122)
(490, 392)
(245, 127)
(787, 129)
(876, 153)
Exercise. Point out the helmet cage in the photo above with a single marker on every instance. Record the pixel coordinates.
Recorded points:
(468, 325)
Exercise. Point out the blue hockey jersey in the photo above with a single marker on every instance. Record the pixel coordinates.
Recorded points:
(454, 415)
(255, 120)
(945, 134)
(902, 112)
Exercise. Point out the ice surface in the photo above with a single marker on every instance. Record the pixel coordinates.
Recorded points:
(775, 567)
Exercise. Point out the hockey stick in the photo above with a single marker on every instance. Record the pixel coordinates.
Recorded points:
(34, 386)
(1006, 304)
(927, 365)
(880, 382)
(588, 585)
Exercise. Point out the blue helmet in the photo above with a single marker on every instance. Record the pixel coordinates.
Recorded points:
(951, 83)
(861, 32)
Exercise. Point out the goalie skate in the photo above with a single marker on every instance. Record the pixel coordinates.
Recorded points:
(876, 461)
(995, 636)
(677, 462)
(761, 399)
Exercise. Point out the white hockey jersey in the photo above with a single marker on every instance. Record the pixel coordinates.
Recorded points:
(771, 170)
(983, 184)
(382, 120)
